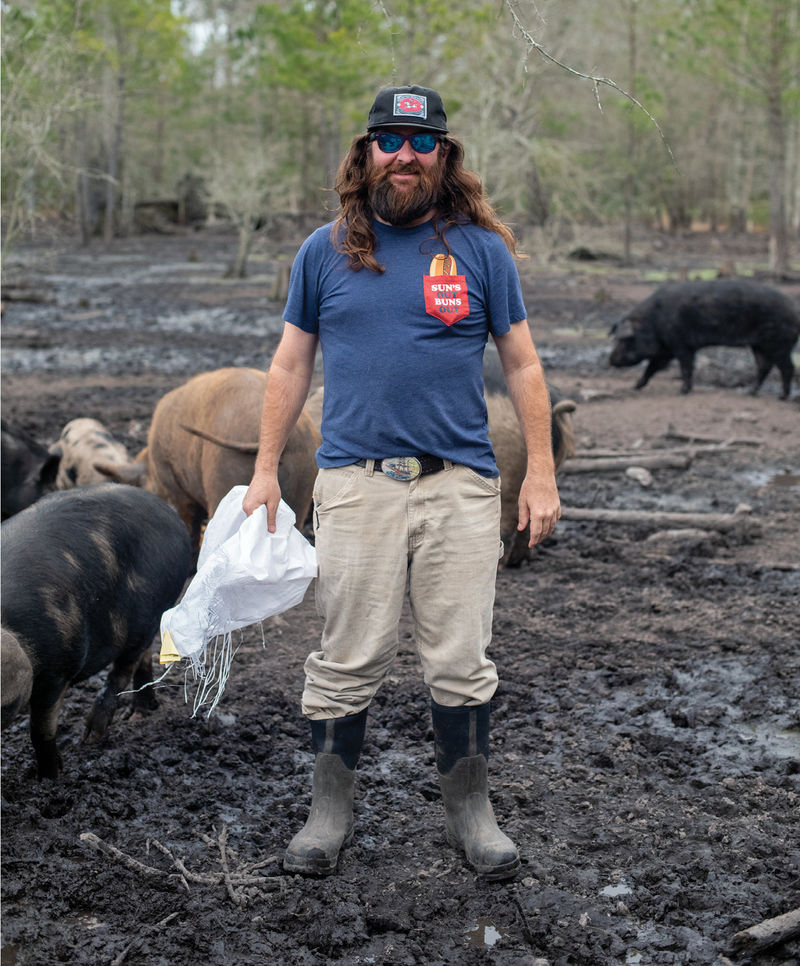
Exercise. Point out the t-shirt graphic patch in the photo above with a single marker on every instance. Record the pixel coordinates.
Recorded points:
(446, 296)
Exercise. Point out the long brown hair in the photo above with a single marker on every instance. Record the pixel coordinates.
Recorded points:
(462, 199)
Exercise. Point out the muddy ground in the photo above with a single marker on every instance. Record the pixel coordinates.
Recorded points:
(647, 727)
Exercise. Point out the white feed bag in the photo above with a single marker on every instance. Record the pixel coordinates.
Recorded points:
(244, 575)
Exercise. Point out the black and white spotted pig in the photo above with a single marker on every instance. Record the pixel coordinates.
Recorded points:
(82, 443)
(86, 576)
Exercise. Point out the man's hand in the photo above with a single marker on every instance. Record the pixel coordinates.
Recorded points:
(263, 490)
(539, 507)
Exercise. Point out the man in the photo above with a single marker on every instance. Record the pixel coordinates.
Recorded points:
(401, 292)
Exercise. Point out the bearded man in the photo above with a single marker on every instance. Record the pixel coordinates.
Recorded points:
(401, 292)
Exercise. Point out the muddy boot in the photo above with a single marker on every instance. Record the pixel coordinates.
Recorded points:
(462, 752)
(337, 744)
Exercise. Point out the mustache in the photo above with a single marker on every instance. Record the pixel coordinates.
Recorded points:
(378, 176)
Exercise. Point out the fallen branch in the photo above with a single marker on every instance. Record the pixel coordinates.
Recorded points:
(770, 932)
(658, 519)
(609, 464)
(90, 839)
(709, 447)
(692, 438)
(232, 881)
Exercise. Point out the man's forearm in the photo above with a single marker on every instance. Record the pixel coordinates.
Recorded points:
(284, 399)
(528, 392)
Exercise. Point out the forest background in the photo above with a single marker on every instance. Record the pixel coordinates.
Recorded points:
(675, 114)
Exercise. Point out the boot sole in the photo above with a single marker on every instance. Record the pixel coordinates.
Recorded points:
(312, 865)
(491, 873)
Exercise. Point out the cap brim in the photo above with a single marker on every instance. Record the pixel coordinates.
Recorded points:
(408, 122)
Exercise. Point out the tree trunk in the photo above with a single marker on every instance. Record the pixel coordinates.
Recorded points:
(776, 130)
(82, 187)
(239, 267)
(113, 161)
(629, 186)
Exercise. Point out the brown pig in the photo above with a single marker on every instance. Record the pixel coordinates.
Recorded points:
(203, 440)
(512, 461)
(509, 449)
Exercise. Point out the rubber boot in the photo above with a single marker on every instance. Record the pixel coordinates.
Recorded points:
(462, 752)
(336, 743)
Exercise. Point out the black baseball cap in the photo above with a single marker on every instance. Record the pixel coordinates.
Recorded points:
(410, 106)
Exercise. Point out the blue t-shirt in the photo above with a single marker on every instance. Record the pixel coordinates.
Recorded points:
(402, 351)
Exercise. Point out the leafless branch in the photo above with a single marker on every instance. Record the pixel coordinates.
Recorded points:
(596, 82)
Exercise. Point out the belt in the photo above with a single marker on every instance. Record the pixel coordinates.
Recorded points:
(407, 468)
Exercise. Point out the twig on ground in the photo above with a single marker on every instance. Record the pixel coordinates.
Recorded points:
(233, 881)
(119, 958)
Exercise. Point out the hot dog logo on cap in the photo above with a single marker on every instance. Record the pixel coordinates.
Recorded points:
(410, 105)
(446, 296)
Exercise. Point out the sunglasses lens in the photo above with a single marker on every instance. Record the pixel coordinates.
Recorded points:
(389, 143)
(423, 143)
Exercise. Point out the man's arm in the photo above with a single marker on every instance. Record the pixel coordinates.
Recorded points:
(539, 504)
(288, 382)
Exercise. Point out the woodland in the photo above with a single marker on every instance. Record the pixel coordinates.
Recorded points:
(647, 739)
(127, 115)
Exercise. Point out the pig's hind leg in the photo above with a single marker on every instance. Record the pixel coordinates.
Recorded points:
(763, 366)
(686, 362)
(125, 667)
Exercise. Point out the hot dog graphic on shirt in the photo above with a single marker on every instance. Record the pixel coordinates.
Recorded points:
(446, 296)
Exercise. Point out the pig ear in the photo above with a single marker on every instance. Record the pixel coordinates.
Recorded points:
(132, 473)
(624, 329)
(49, 471)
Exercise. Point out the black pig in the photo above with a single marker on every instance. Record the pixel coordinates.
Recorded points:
(682, 317)
(86, 575)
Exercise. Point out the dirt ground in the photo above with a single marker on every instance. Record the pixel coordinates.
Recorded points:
(646, 732)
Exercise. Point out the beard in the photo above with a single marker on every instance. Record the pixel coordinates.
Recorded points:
(401, 206)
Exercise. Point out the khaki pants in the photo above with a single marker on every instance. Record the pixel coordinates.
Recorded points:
(439, 537)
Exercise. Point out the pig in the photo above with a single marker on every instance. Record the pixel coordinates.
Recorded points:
(680, 318)
(86, 576)
(17, 677)
(509, 448)
(202, 442)
(511, 454)
(82, 443)
(512, 462)
(28, 470)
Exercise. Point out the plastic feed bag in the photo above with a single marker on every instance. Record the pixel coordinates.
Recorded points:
(244, 575)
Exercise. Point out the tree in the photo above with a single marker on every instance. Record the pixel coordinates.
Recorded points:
(753, 52)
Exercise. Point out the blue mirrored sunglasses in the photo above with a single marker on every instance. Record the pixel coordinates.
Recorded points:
(390, 143)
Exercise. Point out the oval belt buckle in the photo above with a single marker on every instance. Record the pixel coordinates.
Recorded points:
(404, 468)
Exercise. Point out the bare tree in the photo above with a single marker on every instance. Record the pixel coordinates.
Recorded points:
(243, 183)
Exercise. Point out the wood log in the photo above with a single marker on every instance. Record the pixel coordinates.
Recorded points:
(665, 520)
(691, 438)
(691, 449)
(22, 293)
(768, 933)
(610, 464)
